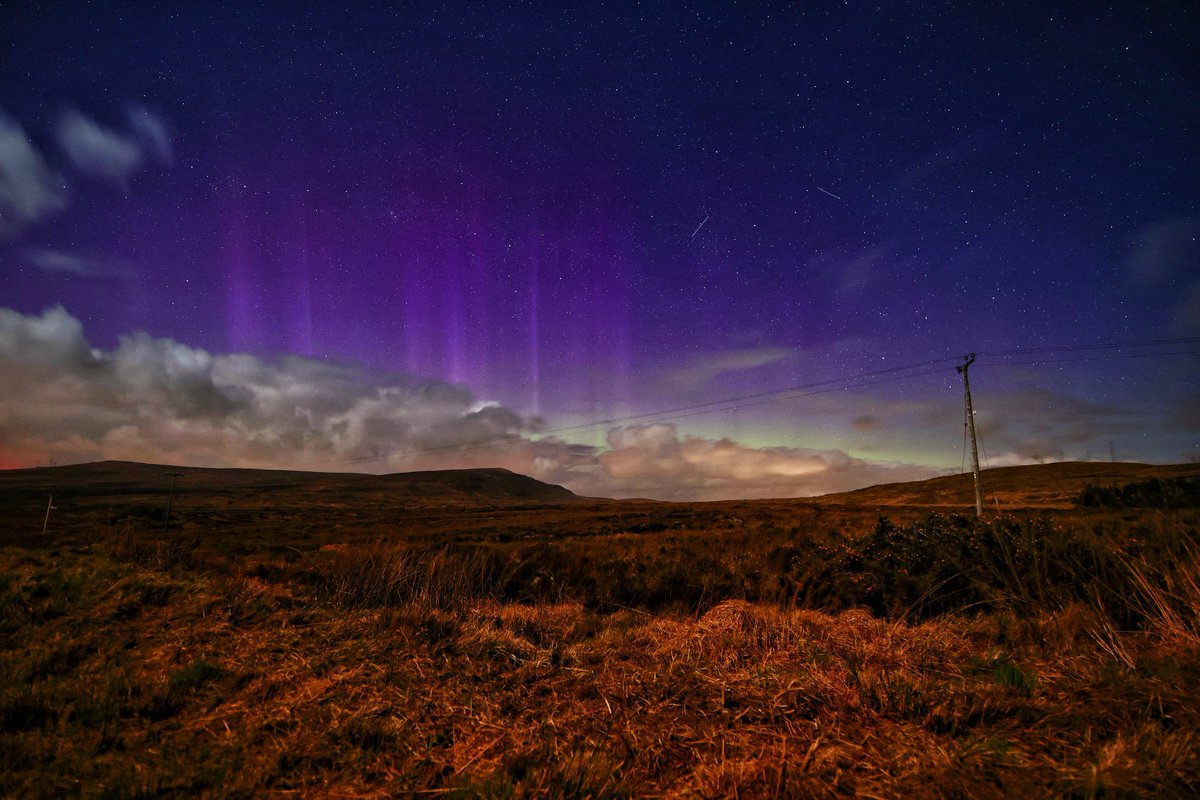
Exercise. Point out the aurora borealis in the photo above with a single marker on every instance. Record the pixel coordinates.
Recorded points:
(382, 237)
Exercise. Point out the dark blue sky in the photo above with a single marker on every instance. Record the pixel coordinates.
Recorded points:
(597, 212)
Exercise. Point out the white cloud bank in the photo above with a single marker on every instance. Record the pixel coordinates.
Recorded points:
(154, 399)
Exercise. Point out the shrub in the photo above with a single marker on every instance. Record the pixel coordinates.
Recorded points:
(1154, 493)
(952, 563)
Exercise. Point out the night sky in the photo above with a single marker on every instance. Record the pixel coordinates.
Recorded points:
(684, 251)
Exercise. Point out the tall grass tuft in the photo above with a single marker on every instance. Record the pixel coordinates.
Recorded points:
(1168, 593)
(398, 575)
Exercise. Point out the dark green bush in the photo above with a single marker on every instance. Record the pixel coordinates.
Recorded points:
(953, 563)
(1154, 493)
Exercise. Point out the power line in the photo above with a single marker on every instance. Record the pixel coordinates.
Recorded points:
(844, 383)
(772, 393)
(732, 404)
(858, 380)
(1109, 357)
(1103, 346)
(749, 401)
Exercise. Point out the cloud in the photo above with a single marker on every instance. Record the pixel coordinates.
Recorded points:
(1186, 317)
(29, 189)
(1031, 425)
(707, 367)
(1166, 256)
(1185, 414)
(75, 264)
(935, 167)
(857, 272)
(866, 422)
(108, 155)
(654, 461)
(98, 151)
(1162, 251)
(155, 399)
(151, 132)
(849, 271)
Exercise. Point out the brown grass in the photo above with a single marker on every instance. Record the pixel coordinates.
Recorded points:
(126, 679)
(647, 650)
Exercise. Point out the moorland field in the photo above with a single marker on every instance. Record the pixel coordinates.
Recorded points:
(478, 633)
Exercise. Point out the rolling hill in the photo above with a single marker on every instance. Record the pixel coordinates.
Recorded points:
(125, 481)
(1032, 486)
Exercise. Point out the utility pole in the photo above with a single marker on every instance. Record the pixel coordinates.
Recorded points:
(962, 370)
(170, 497)
(46, 521)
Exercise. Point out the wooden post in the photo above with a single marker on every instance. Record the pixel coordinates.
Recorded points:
(170, 497)
(46, 521)
(967, 362)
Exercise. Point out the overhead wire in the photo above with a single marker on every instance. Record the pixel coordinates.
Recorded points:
(1109, 357)
(857, 380)
(843, 383)
(1100, 346)
(771, 393)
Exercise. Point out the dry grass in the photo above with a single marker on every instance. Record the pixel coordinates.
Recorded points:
(135, 670)
(292, 640)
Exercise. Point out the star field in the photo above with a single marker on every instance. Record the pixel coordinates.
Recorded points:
(558, 217)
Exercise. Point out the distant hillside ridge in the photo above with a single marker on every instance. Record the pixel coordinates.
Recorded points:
(1056, 485)
(458, 486)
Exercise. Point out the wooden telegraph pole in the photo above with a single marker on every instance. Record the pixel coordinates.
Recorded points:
(170, 497)
(46, 521)
(962, 369)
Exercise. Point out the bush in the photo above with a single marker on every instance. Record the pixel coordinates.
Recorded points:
(953, 563)
(1154, 493)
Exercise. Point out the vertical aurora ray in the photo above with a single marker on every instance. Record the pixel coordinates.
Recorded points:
(299, 309)
(533, 290)
(454, 332)
(240, 284)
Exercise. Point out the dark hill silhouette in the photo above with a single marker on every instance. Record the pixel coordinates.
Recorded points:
(1032, 486)
(109, 479)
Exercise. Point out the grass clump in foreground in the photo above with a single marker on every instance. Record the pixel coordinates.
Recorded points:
(940, 659)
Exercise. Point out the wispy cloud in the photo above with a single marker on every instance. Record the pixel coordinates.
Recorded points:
(98, 151)
(1185, 414)
(110, 155)
(1187, 310)
(1162, 251)
(152, 133)
(848, 271)
(1165, 256)
(704, 368)
(29, 188)
(75, 264)
(1031, 424)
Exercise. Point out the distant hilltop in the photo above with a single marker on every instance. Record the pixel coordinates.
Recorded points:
(440, 487)
(1033, 486)
(1055, 485)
